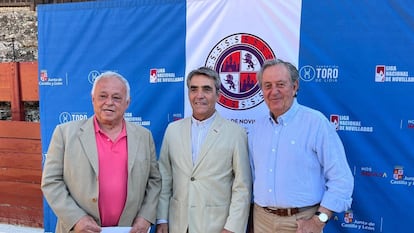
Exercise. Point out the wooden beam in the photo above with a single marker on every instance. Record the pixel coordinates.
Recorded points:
(17, 107)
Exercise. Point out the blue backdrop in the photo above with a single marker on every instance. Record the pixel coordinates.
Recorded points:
(354, 59)
(77, 42)
(356, 66)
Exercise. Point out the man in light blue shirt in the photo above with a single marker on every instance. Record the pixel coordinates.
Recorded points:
(301, 174)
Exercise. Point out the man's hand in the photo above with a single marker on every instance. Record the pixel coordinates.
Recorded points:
(141, 225)
(86, 225)
(162, 228)
(312, 225)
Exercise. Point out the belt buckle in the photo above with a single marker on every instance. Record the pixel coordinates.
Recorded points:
(269, 210)
(282, 212)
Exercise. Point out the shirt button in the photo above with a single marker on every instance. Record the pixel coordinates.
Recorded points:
(94, 199)
(192, 179)
(270, 190)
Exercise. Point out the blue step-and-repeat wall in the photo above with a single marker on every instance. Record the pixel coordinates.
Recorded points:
(354, 57)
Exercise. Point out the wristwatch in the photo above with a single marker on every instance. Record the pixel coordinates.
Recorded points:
(322, 216)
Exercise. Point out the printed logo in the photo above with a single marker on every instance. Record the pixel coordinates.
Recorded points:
(128, 116)
(380, 73)
(410, 124)
(335, 121)
(92, 76)
(398, 177)
(153, 76)
(368, 171)
(407, 124)
(175, 117)
(307, 73)
(398, 173)
(237, 58)
(350, 221)
(348, 217)
(343, 123)
(319, 73)
(66, 116)
(161, 75)
(391, 73)
(43, 75)
(45, 80)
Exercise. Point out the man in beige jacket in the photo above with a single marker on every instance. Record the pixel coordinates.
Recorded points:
(102, 171)
(204, 165)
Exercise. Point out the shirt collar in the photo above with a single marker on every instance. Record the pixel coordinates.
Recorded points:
(286, 117)
(203, 122)
(96, 125)
(99, 130)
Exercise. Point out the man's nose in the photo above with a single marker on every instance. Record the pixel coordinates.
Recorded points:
(200, 94)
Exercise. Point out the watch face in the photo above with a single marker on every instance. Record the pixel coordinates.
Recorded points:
(322, 217)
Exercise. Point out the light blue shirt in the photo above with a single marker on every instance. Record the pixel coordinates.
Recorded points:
(299, 161)
(199, 130)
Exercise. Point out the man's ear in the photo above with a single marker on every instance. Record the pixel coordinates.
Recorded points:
(296, 87)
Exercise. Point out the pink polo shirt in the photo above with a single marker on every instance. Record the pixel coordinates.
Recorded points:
(113, 175)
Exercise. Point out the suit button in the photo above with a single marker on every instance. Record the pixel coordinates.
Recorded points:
(192, 179)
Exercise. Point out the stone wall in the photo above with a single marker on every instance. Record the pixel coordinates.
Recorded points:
(18, 43)
(18, 35)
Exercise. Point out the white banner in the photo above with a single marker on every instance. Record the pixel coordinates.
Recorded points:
(234, 37)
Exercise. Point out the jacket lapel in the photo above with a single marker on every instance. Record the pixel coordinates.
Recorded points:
(211, 138)
(187, 147)
(88, 142)
(132, 138)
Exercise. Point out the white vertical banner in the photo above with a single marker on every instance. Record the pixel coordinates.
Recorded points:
(235, 37)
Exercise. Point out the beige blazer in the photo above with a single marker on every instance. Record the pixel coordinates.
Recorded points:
(215, 192)
(70, 175)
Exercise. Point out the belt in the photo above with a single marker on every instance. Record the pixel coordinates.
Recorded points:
(286, 212)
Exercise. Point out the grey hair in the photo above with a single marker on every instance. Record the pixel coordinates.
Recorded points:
(212, 74)
(293, 71)
(107, 74)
